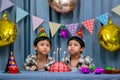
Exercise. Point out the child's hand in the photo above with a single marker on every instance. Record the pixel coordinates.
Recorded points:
(33, 68)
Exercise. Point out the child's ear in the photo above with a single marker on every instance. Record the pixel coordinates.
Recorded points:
(35, 48)
(82, 49)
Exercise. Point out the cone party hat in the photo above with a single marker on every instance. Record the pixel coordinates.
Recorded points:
(80, 33)
(11, 65)
(41, 32)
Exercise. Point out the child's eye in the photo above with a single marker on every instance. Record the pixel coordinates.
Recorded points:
(42, 44)
(48, 45)
(75, 45)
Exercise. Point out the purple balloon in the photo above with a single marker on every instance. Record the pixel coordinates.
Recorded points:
(63, 33)
(98, 70)
(85, 70)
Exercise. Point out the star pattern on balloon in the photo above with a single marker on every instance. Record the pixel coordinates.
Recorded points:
(89, 25)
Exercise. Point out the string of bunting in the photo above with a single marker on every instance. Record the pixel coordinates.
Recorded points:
(72, 28)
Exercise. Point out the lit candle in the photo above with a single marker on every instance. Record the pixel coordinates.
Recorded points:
(57, 54)
(54, 55)
(64, 55)
(60, 53)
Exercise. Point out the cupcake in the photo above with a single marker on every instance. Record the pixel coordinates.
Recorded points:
(108, 70)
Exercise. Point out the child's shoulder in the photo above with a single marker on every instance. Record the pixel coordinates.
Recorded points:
(31, 55)
(86, 57)
(50, 57)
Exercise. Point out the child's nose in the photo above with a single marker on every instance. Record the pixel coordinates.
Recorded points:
(72, 46)
(45, 46)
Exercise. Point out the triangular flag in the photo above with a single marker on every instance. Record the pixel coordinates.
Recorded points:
(54, 27)
(5, 5)
(11, 65)
(36, 21)
(89, 25)
(72, 28)
(20, 14)
(103, 18)
(80, 32)
(117, 10)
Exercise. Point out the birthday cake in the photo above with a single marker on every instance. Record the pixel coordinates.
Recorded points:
(59, 67)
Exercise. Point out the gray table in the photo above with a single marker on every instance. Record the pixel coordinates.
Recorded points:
(37, 75)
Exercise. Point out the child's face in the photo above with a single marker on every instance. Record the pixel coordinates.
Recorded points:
(74, 47)
(43, 47)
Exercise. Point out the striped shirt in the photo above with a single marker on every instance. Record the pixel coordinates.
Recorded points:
(83, 60)
(31, 61)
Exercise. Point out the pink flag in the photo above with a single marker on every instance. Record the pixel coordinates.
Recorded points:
(36, 21)
(89, 25)
(5, 4)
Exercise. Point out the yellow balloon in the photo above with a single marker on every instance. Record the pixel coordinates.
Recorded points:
(109, 37)
(8, 31)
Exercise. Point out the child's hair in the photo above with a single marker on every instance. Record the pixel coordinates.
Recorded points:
(41, 38)
(78, 40)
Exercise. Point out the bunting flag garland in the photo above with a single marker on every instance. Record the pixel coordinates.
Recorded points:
(5, 5)
(103, 18)
(89, 25)
(72, 28)
(116, 10)
(54, 27)
(20, 14)
(36, 22)
(79, 33)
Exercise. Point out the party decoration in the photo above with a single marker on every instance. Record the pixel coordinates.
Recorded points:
(85, 70)
(98, 70)
(8, 31)
(103, 18)
(54, 27)
(92, 68)
(42, 32)
(11, 65)
(72, 28)
(59, 67)
(80, 33)
(62, 6)
(115, 71)
(108, 70)
(63, 32)
(20, 14)
(116, 10)
(5, 5)
(109, 37)
(89, 25)
(36, 21)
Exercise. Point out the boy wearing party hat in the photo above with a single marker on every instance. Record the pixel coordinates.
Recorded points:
(40, 61)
